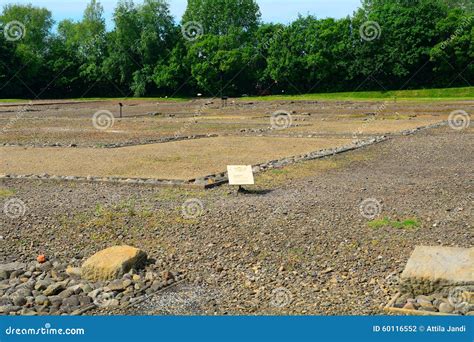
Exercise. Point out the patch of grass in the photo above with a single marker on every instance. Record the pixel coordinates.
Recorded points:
(173, 194)
(120, 99)
(301, 170)
(379, 223)
(442, 94)
(12, 100)
(393, 117)
(386, 222)
(4, 193)
(279, 172)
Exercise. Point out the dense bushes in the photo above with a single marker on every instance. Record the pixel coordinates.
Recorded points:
(221, 46)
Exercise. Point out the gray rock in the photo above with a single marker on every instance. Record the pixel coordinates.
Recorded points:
(118, 285)
(24, 292)
(16, 274)
(28, 312)
(157, 285)
(42, 285)
(56, 301)
(4, 286)
(4, 275)
(71, 302)
(93, 294)
(85, 300)
(12, 266)
(432, 268)
(19, 300)
(7, 309)
(5, 301)
(44, 267)
(446, 308)
(86, 288)
(53, 289)
(42, 300)
(66, 293)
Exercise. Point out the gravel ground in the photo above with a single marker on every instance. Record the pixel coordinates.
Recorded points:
(297, 247)
(173, 160)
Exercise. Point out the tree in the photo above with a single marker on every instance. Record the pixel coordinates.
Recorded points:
(315, 55)
(29, 34)
(144, 37)
(221, 64)
(454, 52)
(405, 32)
(220, 17)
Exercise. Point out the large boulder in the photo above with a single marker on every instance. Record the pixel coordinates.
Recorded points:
(431, 269)
(112, 263)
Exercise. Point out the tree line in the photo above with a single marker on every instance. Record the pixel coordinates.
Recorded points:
(223, 47)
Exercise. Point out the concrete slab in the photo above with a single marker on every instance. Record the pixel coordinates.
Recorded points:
(430, 269)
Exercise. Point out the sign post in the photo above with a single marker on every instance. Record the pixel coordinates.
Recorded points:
(240, 175)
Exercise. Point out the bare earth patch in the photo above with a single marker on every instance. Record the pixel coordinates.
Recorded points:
(175, 160)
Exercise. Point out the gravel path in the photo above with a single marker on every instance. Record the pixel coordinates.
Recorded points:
(300, 248)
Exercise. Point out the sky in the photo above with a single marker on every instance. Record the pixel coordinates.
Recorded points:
(281, 11)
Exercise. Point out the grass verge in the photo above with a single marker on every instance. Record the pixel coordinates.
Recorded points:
(410, 223)
(439, 94)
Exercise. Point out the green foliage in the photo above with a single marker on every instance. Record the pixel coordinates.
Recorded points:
(143, 38)
(221, 17)
(24, 70)
(420, 44)
(386, 222)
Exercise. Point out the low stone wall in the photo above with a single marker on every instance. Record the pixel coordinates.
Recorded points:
(120, 144)
(218, 179)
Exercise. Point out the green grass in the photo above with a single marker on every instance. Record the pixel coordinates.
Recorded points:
(441, 94)
(386, 222)
(4, 193)
(118, 99)
(12, 100)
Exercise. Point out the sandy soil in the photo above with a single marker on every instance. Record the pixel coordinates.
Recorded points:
(174, 160)
(144, 120)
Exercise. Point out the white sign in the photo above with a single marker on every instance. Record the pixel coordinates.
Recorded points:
(240, 174)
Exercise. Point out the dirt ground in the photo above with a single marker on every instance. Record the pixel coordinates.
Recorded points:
(299, 231)
(143, 120)
(243, 132)
(174, 160)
